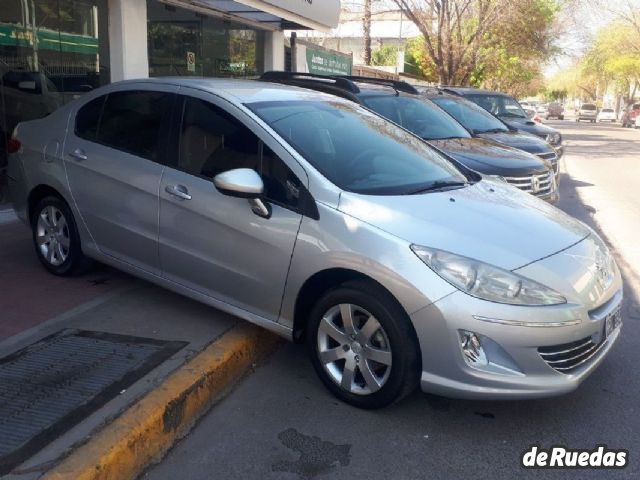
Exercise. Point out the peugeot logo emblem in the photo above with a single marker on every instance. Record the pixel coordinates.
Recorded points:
(535, 184)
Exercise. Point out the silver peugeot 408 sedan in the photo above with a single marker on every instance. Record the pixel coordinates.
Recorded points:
(327, 224)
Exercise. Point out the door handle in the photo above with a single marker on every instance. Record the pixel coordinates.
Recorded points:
(179, 191)
(78, 154)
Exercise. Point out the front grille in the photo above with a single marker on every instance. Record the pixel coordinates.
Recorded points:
(568, 356)
(539, 184)
(553, 158)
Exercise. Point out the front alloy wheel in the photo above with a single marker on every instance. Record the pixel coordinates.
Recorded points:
(362, 345)
(354, 349)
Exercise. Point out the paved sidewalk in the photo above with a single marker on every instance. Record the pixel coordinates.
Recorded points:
(35, 304)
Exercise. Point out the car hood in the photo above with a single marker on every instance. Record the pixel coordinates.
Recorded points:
(529, 126)
(523, 141)
(490, 158)
(489, 221)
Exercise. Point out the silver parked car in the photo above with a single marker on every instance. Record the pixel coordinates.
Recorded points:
(325, 223)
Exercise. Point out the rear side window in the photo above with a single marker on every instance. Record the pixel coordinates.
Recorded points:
(135, 122)
(88, 118)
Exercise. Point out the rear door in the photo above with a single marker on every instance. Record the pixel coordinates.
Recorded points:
(114, 158)
(213, 243)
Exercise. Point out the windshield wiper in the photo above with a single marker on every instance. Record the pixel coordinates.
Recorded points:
(509, 114)
(452, 137)
(439, 185)
(491, 130)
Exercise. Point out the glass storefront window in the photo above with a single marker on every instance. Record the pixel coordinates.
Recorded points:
(51, 51)
(183, 43)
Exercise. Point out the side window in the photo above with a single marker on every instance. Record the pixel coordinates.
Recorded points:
(133, 122)
(212, 141)
(88, 117)
(281, 185)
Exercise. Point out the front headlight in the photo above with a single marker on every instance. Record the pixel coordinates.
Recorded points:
(485, 281)
(554, 138)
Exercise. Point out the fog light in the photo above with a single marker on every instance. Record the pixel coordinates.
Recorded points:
(472, 349)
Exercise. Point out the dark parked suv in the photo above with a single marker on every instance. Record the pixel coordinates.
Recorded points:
(403, 104)
(507, 109)
(482, 124)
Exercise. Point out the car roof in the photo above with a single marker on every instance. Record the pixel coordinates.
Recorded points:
(234, 90)
(472, 90)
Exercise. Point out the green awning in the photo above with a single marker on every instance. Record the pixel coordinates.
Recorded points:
(16, 36)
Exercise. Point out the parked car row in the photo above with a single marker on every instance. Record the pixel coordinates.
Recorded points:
(420, 114)
(349, 215)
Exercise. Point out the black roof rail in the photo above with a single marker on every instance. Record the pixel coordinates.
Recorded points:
(399, 85)
(281, 76)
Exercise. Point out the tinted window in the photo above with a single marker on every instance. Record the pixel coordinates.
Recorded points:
(88, 118)
(356, 149)
(133, 121)
(416, 115)
(280, 184)
(472, 116)
(499, 105)
(588, 106)
(212, 141)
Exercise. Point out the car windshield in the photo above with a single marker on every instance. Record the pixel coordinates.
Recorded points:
(499, 105)
(588, 106)
(607, 110)
(418, 116)
(470, 115)
(358, 150)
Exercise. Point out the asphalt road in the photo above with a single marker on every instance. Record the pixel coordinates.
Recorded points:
(280, 423)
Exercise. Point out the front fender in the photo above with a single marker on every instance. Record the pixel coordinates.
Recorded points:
(339, 241)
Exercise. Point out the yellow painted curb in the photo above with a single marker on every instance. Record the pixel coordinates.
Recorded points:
(145, 431)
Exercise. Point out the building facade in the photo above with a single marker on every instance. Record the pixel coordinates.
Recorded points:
(52, 51)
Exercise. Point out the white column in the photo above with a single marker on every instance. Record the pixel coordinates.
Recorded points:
(273, 50)
(128, 39)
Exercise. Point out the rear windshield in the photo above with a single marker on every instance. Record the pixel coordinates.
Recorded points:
(607, 110)
(356, 149)
(418, 116)
(588, 106)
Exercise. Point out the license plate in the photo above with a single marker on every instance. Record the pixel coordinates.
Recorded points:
(612, 321)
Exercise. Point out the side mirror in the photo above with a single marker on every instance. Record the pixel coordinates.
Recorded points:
(243, 183)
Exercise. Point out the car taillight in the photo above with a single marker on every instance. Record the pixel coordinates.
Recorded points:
(13, 145)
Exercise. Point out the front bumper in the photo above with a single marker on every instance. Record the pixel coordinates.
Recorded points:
(516, 368)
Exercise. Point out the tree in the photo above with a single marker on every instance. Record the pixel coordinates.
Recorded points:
(366, 29)
(385, 56)
(478, 41)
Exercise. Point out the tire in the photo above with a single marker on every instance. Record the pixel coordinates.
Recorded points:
(561, 117)
(391, 339)
(56, 239)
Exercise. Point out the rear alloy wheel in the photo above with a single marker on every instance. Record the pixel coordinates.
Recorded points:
(56, 238)
(362, 345)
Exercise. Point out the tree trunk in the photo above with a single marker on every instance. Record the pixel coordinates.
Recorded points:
(366, 28)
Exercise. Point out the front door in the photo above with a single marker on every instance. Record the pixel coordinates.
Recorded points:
(114, 160)
(213, 243)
